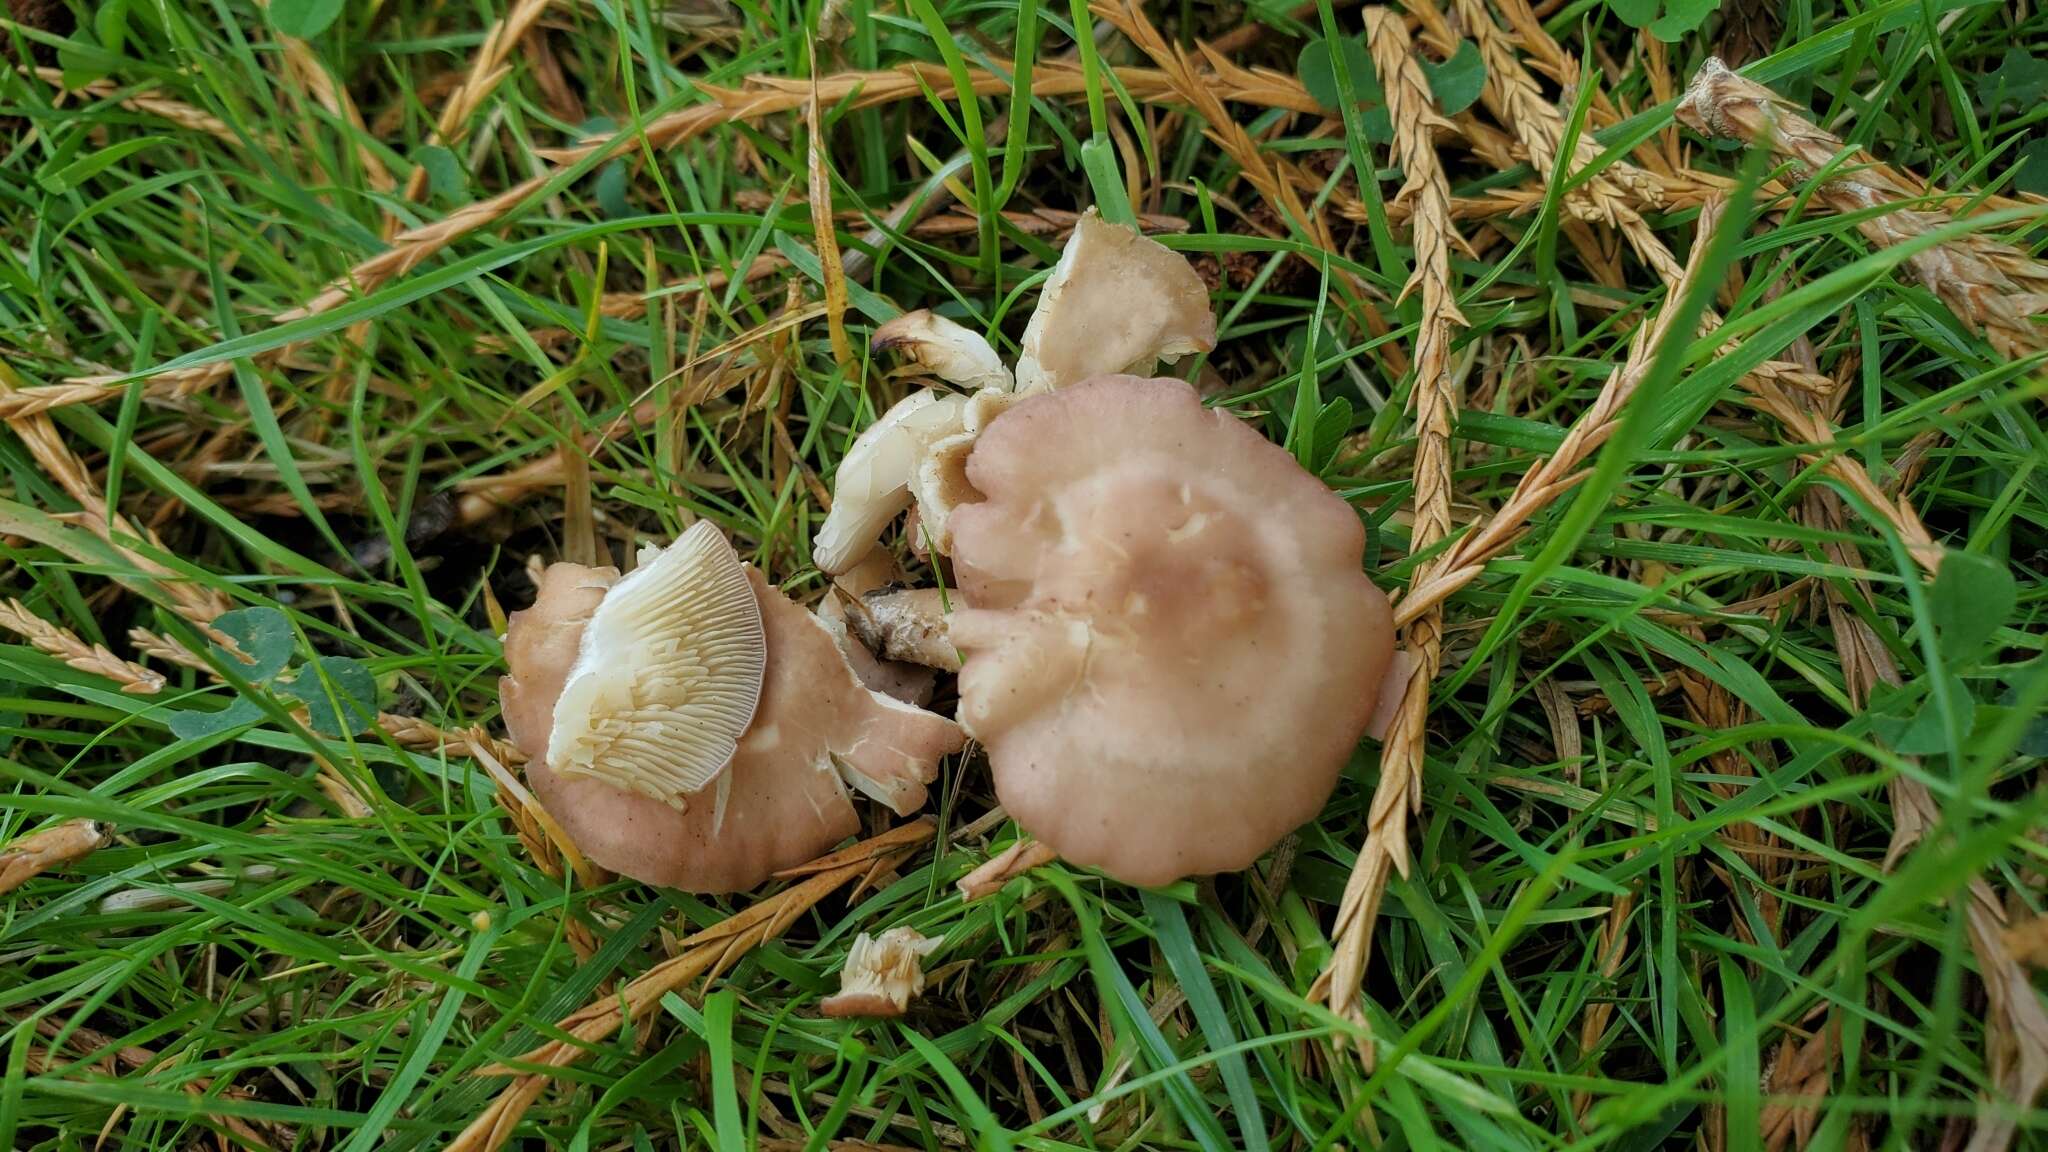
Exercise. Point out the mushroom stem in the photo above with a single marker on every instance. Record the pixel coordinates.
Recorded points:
(907, 624)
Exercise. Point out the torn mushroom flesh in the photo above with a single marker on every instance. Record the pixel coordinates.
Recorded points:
(938, 346)
(872, 486)
(882, 974)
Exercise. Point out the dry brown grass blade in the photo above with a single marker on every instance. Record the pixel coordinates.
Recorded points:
(487, 68)
(2016, 1024)
(53, 847)
(708, 951)
(1005, 866)
(1613, 950)
(1557, 473)
(823, 235)
(1435, 399)
(1995, 288)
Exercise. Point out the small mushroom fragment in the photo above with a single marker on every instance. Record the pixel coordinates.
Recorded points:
(1170, 646)
(873, 483)
(905, 624)
(1117, 301)
(882, 974)
(910, 683)
(783, 798)
(667, 672)
(953, 353)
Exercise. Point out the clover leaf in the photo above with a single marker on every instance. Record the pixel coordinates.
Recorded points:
(1667, 20)
(339, 693)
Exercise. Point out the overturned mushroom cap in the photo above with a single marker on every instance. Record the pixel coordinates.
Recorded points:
(882, 974)
(1116, 302)
(953, 353)
(782, 800)
(1170, 647)
(667, 673)
(873, 483)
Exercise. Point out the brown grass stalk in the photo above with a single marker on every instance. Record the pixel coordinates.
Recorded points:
(1559, 472)
(1435, 397)
(2016, 1025)
(705, 954)
(65, 645)
(487, 68)
(1995, 288)
(52, 847)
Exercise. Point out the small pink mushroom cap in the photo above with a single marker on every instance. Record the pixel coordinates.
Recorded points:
(781, 802)
(1171, 648)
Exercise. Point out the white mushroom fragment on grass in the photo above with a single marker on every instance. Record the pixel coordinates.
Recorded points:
(882, 974)
(1170, 646)
(781, 801)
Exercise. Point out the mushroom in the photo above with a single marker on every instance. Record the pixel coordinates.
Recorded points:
(955, 354)
(667, 673)
(905, 624)
(1117, 301)
(882, 974)
(910, 683)
(781, 801)
(1170, 646)
(873, 483)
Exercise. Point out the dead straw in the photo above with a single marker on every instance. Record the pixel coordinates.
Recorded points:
(707, 953)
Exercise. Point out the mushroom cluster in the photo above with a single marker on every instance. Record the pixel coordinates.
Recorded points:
(1116, 301)
(691, 726)
(1163, 633)
(1160, 625)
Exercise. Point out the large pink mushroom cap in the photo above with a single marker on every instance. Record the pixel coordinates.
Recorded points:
(1171, 648)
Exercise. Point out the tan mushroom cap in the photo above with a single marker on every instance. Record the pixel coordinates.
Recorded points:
(667, 674)
(1171, 649)
(780, 803)
(1117, 301)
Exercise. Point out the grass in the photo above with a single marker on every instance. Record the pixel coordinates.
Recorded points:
(1651, 903)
